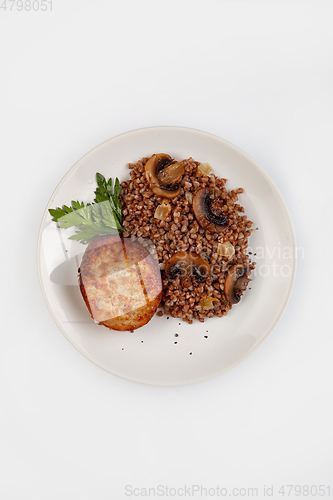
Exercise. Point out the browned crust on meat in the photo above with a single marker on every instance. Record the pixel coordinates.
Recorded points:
(120, 282)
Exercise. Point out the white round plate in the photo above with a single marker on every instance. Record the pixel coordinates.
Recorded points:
(203, 350)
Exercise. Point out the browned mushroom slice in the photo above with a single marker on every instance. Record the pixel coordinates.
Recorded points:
(236, 282)
(163, 175)
(187, 264)
(171, 174)
(208, 211)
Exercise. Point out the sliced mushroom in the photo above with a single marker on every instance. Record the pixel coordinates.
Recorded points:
(171, 174)
(187, 264)
(208, 212)
(163, 174)
(236, 283)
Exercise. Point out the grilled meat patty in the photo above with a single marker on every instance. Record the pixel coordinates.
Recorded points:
(120, 282)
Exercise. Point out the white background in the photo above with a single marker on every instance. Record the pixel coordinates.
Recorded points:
(257, 73)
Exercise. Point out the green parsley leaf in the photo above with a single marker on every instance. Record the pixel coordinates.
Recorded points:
(103, 216)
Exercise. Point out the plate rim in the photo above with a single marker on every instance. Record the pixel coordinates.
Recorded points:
(292, 243)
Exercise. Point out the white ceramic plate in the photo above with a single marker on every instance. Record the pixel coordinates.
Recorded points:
(150, 354)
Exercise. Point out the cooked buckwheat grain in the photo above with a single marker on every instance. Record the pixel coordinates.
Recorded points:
(179, 231)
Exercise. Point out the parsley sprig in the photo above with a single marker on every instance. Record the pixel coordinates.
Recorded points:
(103, 216)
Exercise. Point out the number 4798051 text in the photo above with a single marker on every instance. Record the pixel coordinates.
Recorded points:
(25, 5)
